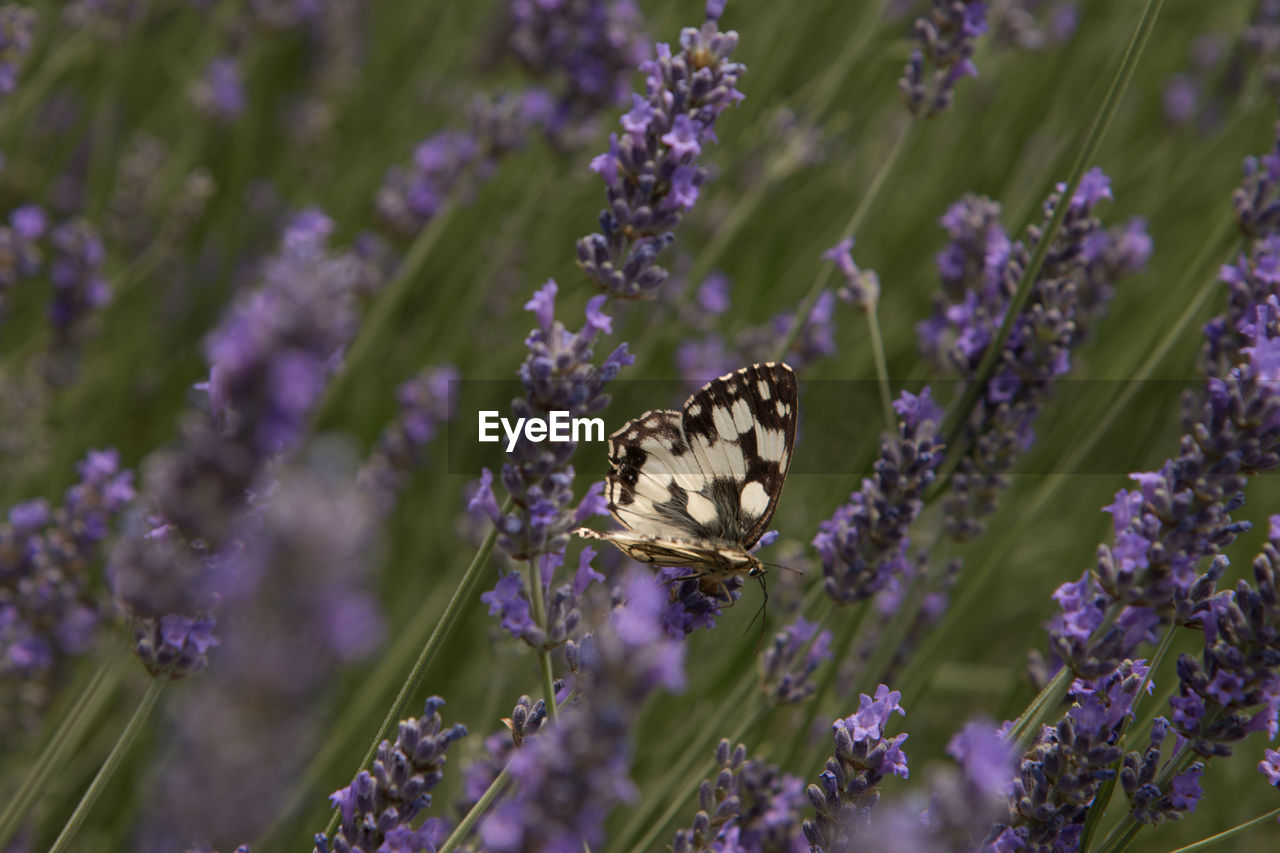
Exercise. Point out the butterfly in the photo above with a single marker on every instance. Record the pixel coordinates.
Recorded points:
(697, 487)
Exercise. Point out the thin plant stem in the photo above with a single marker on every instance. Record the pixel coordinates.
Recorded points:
(386, 306)
(544, 654)
(473, 815)
(108, 768)
(1206, 843)
(65, 738)
(882, 368)
(959, 414)
(448, 620)
(850, 229)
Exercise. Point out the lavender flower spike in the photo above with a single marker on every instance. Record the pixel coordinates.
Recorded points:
(946, 35)
(863, 545)
(849, 786)
(570, 776)
(378, 808)
(861, 287)
(16, 23)
(651, 169)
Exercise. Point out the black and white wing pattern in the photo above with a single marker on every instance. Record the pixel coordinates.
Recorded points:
(698, 487)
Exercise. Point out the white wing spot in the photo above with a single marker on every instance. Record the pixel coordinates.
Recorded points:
(763, 388)
(782, 409)
(694, 410)
(633, 435)
(724, 422)
(742, 418)
(755, 500)
(700, 509)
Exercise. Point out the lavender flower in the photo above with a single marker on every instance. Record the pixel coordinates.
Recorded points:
(378, 807)
(946, 35)
(16, 24)
(450, 164)
(1257, 200)
(49, 608)
(651, 169)
(570, 776)
(425, 405)
(219, 95)
(1269, 766)
(864, 755)
(75, 268)
(700, 359)
(718, 804)
(1232, 690)
(269, 361)
(588, 48)
(980, 271)
(861, 287)
(297, 603)
(863, 545)
(785, 672)
(1062, 772)
(557, 374)
(1032, 24)
(508, 600)
(1181, 513)
(20, 251)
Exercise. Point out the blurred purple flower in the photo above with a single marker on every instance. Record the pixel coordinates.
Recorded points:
(49, 603)
(219, 94)
(571, 776)
(946, 36)
(425, 406)
(786, 674)
(861, 287)
(587, 49)
(1032, 24)
(451, 164)
(297, 603)
(16, 24)
(270, 359)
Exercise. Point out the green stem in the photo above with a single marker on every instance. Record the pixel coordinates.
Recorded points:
(1206, 843)
(850, 229)
(1031, 718)
(882, 368)
(448, 620)
(65, 737)
(386, 306)
(109, 766)
(959, 414)
(544, 654)
(477, 811)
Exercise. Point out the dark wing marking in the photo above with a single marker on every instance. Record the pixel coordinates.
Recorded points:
(651, 473)
(742, 426)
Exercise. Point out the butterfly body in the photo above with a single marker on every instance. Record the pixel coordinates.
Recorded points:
(697, 487)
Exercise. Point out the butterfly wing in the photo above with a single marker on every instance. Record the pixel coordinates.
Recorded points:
(742, 427)
(652, 474)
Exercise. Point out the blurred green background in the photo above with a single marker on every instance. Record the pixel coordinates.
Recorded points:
(793, 161)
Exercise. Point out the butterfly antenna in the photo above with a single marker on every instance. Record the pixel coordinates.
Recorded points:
(782, 567)
(762, 614)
